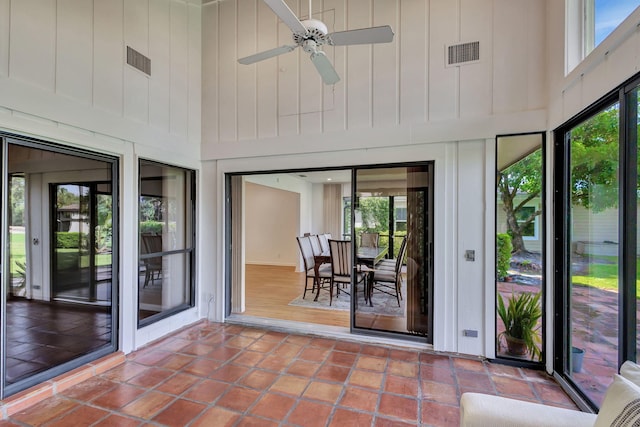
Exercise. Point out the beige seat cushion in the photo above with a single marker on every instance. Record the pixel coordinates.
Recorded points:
(631, 371)
(621, 405)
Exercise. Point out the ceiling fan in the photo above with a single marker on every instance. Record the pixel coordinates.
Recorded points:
(312, 33)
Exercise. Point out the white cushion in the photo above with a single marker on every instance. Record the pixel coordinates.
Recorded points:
(631, 371)
(483, 410)
(621, 405)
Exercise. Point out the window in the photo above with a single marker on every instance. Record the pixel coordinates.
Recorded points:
(520, 257)
(166, 241)
(346, 217)
(604, 16)
(589, 22)
(529, 227)
(596, 231)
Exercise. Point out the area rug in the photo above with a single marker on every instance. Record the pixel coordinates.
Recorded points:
(383, 304)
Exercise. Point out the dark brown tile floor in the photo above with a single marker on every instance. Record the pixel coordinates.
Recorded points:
(213, 374)
(42, 335)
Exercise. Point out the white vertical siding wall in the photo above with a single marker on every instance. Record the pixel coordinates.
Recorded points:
(65, 61)
(384, 86)
(64, 78)
(395, 102)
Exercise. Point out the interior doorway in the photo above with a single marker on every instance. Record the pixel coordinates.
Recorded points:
(268, 280)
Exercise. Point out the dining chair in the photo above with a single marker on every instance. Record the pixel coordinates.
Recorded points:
(151, 244)
(390, 264)
(369, 240)
(389, 281)
(324, 242)
(315, 244)
(324, 272)
(341, 263)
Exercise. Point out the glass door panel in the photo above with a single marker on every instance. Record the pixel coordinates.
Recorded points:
(57, 312)
(634, 117)
(82, 249)
(393, 240)
(519, 246)
(593, 285)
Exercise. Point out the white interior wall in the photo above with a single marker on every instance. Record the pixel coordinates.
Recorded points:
(386, 90)
(64, 79)
(271, 225)
(291, 183)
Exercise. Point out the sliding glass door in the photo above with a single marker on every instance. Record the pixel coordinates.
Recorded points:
(597, 246)
(82, 231)
(269, 277)
(395, 206)
(59, 281)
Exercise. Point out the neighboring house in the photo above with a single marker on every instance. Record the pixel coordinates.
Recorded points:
(532, 236)
(71, 219)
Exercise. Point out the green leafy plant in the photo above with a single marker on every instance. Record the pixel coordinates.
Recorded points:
(520, 317)
(71, 240)
(503, 242)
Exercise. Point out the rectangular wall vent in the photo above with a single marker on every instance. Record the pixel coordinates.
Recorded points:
(463, 53)
(138, 61)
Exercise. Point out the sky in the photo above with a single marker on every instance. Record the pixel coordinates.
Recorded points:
(609, 14)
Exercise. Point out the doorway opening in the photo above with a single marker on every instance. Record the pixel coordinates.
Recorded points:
(275, 216)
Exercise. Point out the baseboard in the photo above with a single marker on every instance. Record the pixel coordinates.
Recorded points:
(274, 264)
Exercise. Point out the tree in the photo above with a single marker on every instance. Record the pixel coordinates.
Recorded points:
(17, 199)
(375, 213)
(523, 179)
(594, 174)
(594, 161)
(66, 198)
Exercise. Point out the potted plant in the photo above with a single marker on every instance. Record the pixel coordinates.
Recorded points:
(520, 317)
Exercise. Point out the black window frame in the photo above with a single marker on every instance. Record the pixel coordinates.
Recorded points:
(190, 202)
(627, 232)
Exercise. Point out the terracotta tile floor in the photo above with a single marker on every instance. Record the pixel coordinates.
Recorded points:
(213, 374)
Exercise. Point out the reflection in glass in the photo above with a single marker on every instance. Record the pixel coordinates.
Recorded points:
(594, 225)
(165, 281)
(519, 244)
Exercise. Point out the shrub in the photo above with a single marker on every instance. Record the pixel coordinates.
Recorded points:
(503, 242)
(151, 227)
(71, 240)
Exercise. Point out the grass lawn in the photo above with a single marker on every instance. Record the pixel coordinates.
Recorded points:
(605, 276)
(66, 257)
(17, 250)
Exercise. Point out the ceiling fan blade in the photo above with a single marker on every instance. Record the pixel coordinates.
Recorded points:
(324, 67)
(285, 14)
(266, 54)
(383, 34)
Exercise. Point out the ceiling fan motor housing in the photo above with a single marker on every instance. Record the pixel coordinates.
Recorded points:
(316, 31)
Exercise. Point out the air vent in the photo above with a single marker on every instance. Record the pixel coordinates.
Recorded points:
(138, 61)
(463, 53)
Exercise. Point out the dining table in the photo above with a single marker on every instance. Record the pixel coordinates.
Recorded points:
(367, 257)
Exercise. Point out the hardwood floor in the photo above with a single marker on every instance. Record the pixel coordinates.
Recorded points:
(270, 289)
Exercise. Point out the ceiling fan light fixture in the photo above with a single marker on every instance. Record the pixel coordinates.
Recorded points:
(311, 33)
